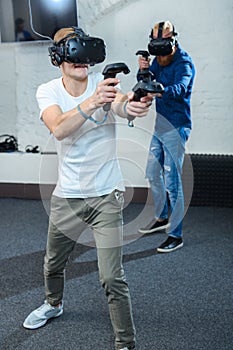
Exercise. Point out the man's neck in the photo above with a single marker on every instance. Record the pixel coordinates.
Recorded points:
(74, 87)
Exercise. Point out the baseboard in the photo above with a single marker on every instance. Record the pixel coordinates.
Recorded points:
(36, 191)
(207, 181)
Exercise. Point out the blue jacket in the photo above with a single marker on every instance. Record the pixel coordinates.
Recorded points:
(177, 79)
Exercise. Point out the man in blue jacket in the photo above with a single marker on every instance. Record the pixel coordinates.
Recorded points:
(173, 68)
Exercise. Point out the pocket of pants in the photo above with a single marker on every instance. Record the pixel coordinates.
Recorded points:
(112, 203)
(119, 196)
(184, 133)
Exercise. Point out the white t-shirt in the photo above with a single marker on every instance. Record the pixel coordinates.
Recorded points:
(88, 165)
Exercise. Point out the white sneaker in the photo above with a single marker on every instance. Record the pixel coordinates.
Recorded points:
(40, 316)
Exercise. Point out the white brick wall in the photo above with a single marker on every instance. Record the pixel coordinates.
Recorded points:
(93, 10)
(205, 29)
(8, 113)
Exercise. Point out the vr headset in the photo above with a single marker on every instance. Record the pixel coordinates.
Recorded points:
(161, 46)
(78, 47)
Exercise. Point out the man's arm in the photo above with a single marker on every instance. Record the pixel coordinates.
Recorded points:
(182, 80)
(62, 124)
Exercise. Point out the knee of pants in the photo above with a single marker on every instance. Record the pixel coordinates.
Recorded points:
(53, 267)
(156, 181)
(154, 174)
(173, 181)
(114, 286)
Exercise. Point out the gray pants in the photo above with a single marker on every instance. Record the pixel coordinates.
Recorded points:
(68, 218)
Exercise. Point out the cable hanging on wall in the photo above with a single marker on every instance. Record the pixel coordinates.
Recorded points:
(31, 23)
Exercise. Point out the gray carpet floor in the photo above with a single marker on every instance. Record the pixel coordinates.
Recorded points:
(181, 300)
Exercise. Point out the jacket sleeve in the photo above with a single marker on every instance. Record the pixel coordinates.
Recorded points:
(182, 78)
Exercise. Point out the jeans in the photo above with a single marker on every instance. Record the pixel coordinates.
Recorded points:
(164, 172)
(68, 218)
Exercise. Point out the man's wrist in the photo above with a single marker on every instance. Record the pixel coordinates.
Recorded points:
(125, 108)
(84, 115)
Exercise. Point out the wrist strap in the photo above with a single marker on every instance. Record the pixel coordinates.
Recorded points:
(90, 117)
(130, 119)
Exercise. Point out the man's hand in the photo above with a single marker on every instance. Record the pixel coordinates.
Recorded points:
(143, 63)
(138, 108)
(105, 92)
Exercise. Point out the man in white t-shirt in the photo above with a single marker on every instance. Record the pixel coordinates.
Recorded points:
(90, 187)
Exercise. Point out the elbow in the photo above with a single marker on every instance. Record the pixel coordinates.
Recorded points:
(55, 130)
(59, 137)
(58, 134)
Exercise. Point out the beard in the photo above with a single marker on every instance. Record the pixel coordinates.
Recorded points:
(164, 60)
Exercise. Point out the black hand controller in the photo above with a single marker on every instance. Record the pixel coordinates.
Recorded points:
(110, 71)
(145, 85)
(144, 74)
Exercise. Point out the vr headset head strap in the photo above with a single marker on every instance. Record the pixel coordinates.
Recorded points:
(174, 33)
(77, 32)
(160, 29)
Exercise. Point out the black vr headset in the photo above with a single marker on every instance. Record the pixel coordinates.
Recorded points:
(161, 46)
(78, 47)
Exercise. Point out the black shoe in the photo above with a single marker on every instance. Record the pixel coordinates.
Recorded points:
(170, 245)
(155, 226)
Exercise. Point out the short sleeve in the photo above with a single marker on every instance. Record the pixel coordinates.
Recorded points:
(46, 97)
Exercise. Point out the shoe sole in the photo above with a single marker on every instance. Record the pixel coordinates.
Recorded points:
(155, 229)
(38, 325)
(163, 250)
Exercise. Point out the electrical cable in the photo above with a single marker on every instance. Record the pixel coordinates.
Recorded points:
(31, 23)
